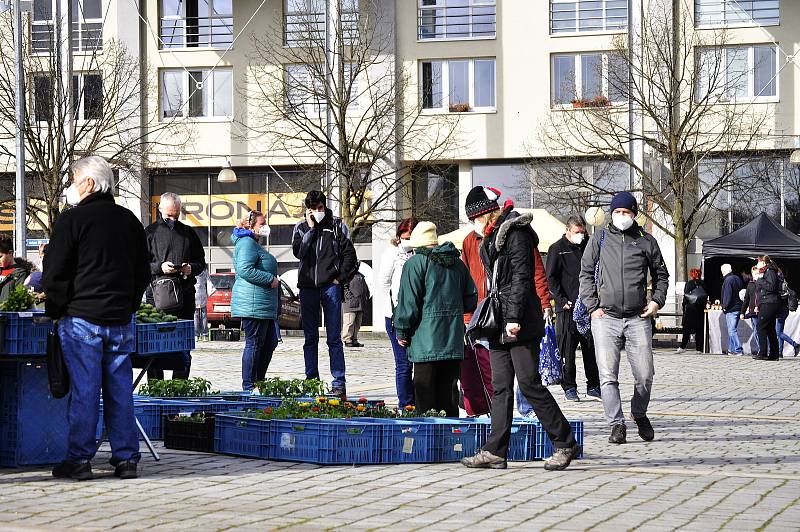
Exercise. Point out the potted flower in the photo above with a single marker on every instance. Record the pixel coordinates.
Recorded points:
(577, 104)
(599, 101)
(459, 107)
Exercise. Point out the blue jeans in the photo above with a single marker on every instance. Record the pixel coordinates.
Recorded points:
(732, 321)
(754, 323)
(780, 323)
(523, 406)
(402, 369)
(329, 297)
(98, 356)
(201, 321)
(636, 336)
(260, 341)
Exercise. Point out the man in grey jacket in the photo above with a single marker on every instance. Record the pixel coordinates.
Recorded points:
(621, 313)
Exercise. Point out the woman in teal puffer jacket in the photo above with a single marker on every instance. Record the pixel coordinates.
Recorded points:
(255, 297)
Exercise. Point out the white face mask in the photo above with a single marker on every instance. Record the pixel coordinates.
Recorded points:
(757, 276)
(577, 238)
(73, 196)
(760, 265)
(623, 222)
(318, 216)
(405, 245)
(479, 227)
(264, 230)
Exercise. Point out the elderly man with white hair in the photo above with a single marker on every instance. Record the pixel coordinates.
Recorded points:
(95, 272)
(176, 259)
(732, 307)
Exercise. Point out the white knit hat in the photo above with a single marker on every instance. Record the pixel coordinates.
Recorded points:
(423, 235)
(726, 269)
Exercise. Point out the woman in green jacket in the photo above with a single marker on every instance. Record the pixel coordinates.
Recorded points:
(436, 290)
(255, 297)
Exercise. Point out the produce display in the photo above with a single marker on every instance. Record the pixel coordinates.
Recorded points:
(196, 387)
(328, 408)
(149, 314)
(277, 387)
(20, 300)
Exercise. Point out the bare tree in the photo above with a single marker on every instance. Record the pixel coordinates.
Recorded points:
(98, 112)
(376, 121)
(683, 84)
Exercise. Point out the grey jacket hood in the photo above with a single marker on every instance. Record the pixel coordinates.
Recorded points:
(514, 220)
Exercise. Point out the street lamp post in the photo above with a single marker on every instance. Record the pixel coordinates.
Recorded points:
(20, 200)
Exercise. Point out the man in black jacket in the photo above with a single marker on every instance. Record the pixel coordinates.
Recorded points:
(95, 272)
(620, 310)
(175, 253)
(327, 262)
(563, 269)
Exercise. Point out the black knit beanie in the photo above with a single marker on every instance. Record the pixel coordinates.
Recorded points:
(481, 200)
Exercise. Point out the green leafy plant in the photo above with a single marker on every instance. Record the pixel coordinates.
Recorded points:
(149, 314)
(19, 300)
(277, 387)
(332, 408)
(196, 387)
(197, 417)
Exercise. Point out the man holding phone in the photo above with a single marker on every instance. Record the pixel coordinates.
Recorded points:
(176, 259)
(327, 262)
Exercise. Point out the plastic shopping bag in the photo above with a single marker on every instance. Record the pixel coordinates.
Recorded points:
(549, 358)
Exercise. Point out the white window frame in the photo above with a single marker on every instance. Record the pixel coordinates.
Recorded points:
(751, 75)
(314, 109)
(577, 31)
(723, 9)
(77, 30)
(445, 83)
(472, 4)
(578, 58)
(349, 18)
(181, 18)
(186, 91)
(81, 83)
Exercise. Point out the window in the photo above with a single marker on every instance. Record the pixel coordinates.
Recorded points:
(435, 195)
(43, 97)
(571, 16)
(304, 21)
(737, 73)
(470, 84)
(196, 23)
(589, 79)
(456, 19)
(197, 93)
(87, 25)
(743, 12)
(87, 96)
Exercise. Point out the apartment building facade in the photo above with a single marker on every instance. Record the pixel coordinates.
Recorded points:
(503, 66)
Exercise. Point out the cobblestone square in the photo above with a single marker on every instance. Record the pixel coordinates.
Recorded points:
(726, 456)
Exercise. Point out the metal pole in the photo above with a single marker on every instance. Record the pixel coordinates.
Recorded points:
(210, 261)
(332, 65)
(635, 144)
(20, 200)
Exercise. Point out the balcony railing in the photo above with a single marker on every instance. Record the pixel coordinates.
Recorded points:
(468, 22)
(196, 32)
(86, 37)
(300, 29)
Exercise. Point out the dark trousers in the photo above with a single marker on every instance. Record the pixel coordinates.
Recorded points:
(402, 368)
(260, 341)
(329, 298)
(523, 361)
(692, 323)
(435, 386)
(181, 361)
(767, 335)
(568, 341)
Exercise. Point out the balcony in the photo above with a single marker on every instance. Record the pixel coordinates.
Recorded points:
(457, 22)
(196, 32)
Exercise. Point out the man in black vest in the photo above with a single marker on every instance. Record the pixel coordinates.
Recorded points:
(563, 270)
(176, 253)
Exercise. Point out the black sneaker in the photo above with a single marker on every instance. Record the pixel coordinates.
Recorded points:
(562, 457)
(797, 350)
(618, 434)
(339, 391)
(759, 357)
(126, 470)
(73, 470)
(645, 428)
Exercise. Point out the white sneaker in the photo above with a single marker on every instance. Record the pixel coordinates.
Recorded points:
(680, 350)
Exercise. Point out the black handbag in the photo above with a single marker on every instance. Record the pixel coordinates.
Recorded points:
(697, 294)
(57, 374)
(487, 320)
(167, 294)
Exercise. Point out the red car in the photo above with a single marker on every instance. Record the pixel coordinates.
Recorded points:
(219, 303)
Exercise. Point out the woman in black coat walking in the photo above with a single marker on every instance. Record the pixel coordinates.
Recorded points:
(769, 306)
(694, 301)
(508, 245)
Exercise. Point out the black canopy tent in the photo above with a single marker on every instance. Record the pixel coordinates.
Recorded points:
(761, 236)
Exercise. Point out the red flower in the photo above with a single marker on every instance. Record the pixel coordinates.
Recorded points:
(315, 409)
(362, 400)
(268, 410)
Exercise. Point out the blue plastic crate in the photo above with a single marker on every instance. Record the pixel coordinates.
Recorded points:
(264, 401)
(33, 425)
(522, 440)
(25, 333)
(147, 411)
(241, 435)
(544, 447)
(406, 441)
(456, 438)
(167, 337)
(326, 441)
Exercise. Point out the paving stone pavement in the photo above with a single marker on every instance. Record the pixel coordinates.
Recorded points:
(726, 457)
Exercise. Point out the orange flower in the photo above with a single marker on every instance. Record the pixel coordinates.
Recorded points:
(348, 404)
(268, 410)
(361, 408)
(409, 408)
(322, 400)
(315, 409)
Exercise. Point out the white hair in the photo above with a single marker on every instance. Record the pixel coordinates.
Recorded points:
(170, 197)
(98, 169)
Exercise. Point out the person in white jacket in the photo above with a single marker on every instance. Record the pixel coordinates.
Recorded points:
(389, 281)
